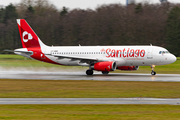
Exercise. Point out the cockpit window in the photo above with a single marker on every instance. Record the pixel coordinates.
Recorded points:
(163, 52)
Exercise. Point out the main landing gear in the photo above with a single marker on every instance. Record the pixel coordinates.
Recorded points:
(105, 72)
(153, 72)
(90, 72)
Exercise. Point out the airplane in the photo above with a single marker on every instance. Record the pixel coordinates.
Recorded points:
(99, 58)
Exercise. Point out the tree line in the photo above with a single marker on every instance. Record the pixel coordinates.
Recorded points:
(112, 24)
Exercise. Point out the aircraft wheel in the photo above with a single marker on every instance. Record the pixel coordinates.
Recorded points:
(105, 72)
(153, 73)
(89, 72)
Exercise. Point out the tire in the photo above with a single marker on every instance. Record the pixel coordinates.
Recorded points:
(89, 72)
(153, 73)
(105, 72)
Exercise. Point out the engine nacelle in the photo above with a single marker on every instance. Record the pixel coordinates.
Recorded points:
(128, 68)
(105, 66)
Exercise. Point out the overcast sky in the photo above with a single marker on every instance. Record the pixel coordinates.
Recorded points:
(83, 4)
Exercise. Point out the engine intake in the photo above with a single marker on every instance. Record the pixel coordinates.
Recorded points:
(128, 68)
(105, 66)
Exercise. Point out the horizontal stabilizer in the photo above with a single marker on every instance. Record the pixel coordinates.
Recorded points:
(9, 50)
(26, 52)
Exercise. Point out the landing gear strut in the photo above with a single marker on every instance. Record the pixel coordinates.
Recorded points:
(89, 72)
(153, 72)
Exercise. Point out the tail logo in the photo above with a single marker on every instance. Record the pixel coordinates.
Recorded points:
(26, 36)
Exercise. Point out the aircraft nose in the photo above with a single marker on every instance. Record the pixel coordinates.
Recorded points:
(173, 58)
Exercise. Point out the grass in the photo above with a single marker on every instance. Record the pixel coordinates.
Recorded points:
(87, 89)
(90, 112)
(11, 57)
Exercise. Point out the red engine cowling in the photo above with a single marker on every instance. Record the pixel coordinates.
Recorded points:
(128, 68)
(105, 66)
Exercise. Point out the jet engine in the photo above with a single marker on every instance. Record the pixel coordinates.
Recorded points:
(105, 66)
(128, 68)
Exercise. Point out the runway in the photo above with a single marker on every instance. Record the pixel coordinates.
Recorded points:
(43, 75)
(89, 101)
(82, 76)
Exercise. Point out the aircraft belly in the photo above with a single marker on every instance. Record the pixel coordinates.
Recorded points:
(120, 62)
(133, 63)
(136, 62)
(68, 62)
(64, 61)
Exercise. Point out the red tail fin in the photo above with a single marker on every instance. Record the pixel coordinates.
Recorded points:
(29, 38)
(31, 42)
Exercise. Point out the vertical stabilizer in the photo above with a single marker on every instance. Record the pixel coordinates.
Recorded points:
(28, 37)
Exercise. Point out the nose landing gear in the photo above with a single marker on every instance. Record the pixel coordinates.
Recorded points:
(153, 73)
(152, 68)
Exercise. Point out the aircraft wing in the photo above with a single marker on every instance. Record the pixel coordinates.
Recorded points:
(87, 60)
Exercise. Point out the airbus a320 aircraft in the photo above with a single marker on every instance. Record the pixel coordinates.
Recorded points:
(99, 58)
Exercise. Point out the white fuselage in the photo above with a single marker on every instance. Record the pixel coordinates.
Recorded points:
(122, 55)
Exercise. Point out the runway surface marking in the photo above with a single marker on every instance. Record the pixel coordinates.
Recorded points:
(89, 101)
(83, 76)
